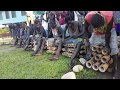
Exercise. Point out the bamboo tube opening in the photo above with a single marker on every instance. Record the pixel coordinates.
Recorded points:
(102, 69)
(94, 48)
(99, 50)
(105, 59)
(104, 52)
(96, 66)
(97, 58)
(88, 64)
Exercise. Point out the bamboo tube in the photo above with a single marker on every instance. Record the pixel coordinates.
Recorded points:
(104, 67)
(96, 65)
(52, 48)
(45, 47)
(69, 55)
(70, 49)
(90, 63)
(94, 54)
(63, 53)
(52, 52)
(71, 45)
(105, 59)
(99, 49)
(104, 52)
(98, 57)
(94, 48)
(63, 49)
(35, 47)
(118, 38)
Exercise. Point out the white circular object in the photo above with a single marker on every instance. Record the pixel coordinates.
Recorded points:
(69, 75)
(77, 68)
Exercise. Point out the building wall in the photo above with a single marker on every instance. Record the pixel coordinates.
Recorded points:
(18, 18)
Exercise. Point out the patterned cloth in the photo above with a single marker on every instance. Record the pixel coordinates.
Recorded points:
(100, 40)
(72, 40)
(116, 17)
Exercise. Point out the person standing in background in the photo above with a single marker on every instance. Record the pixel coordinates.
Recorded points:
(116, 16)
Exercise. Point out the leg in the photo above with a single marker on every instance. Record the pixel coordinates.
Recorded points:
(116, 66)
(56, 56)
(27, 43)
(20, 43)
(38, 46)
(16, 41)
(42, 46)
(75, 54)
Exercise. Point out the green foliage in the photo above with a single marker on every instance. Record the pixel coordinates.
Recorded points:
(5, 30)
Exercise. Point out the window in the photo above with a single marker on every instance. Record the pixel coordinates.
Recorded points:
(23, 13)
(13, 14)
(1, 17)
(7, 14)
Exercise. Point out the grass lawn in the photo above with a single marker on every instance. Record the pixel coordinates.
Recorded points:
(18, 64)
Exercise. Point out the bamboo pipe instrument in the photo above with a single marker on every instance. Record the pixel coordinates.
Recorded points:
(98, 57)
(96, 66)
(64, 53)
(94, 48)
(45, 47)
(104, 67)
(52, 48)
(69, 55)
(71, 45)
(99, 49)
(71, 50)
(52, 52)
(94, 54)
(104, 52)
(105, 59)
(90, 63)
(63, 49)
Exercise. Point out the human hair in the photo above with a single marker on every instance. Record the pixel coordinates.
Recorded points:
(97, 20)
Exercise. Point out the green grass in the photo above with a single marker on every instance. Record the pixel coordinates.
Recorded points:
(18, 64)
(4, 47)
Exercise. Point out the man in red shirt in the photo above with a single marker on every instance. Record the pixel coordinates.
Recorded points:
(103, 33)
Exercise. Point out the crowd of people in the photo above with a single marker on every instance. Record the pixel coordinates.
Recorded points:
(63, 27)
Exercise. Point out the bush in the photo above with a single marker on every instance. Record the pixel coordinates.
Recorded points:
(5, 30)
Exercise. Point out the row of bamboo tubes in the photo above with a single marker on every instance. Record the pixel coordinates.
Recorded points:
(100, 60)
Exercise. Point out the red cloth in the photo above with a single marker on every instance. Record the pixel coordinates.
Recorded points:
(107, 14)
